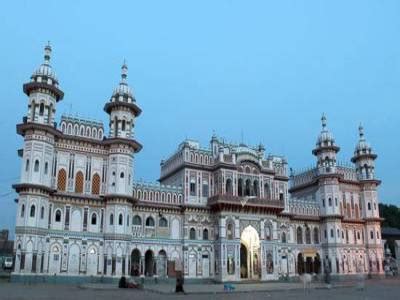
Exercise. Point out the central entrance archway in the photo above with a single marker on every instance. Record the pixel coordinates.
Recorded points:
(250, 265)
(135, 263)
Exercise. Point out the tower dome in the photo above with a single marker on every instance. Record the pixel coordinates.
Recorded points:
(45, 71)
(123, 95)
(44, 77)
(363, 149)
(123, 91)
(325, 141)
(325, 138)
(362, 146)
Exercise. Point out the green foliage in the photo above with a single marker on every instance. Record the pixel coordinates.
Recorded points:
(391, 214)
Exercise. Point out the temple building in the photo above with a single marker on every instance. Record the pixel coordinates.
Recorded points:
(225, 212)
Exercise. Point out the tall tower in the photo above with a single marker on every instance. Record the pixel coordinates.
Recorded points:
(328, 195)
(364, 160)
(326, 150)
(123, 110)
(35, 185)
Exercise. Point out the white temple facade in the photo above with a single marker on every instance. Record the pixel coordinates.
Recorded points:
(225, 212)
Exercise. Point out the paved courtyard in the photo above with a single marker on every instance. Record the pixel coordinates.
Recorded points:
(374, 289)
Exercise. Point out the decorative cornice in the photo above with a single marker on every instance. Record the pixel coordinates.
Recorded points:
(109, 106)
(29, 87)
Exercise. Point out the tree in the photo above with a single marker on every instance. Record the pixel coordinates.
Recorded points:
(391, 214)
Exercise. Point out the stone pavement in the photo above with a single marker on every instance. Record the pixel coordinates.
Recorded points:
(193, 288)
(386, 289)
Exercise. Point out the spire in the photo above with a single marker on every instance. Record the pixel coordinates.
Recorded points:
(323, 121)
(47, 53)
(361, 132)
(124, 72)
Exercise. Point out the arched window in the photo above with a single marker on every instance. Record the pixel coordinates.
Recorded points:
(330, 201)
(41, 109)
(192, 187)
(192, 234)
(266, 191)
(283, 237)
(120, 219)
(299, 235)
(248, 188)
(27, 165)
(240, 187)
(316, 236)
(127, 220)
(22, 210)
(94, 219)
(111, 219)
(369, 205)
(42, 212)
(205, 234)
(96, 184)
(255, 188)
(357, 212)
(46, 168)
(229, 231)
(58, 216)
(123, 125)
(228, 186)
(268, 232)
(61, 180)
(332, 233)
(136, 220)
(163, 222)
(308, 235)
(205, 190)
(36, 167)
(122, 175)
(79, 182)
(32, 213)
(150, 222)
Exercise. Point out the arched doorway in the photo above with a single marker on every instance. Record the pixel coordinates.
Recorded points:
(309, 265)
(149, 263)
(317, 264)
(135, 263)
(91, 262)
(243, 261)
(300, 264)
(162, 264)
(73, 259)
(250, 265)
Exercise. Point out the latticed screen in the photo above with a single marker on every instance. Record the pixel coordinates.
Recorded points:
(79, 182)
(96, 184)
(62, 180)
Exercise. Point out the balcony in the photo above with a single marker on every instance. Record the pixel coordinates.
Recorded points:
(270, 204)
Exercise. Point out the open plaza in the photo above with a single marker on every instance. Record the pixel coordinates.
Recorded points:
(371, 289)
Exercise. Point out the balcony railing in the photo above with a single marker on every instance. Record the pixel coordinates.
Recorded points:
(249, 201)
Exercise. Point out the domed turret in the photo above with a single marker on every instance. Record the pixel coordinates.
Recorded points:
(122, 108)
(43, 91)
(123, 92)
(325, 138)
(364, 157)
(326, 148)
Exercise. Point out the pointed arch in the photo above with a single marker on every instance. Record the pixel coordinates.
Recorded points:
(299, 235)
(62, 180)
(79, 182)
(96, 184)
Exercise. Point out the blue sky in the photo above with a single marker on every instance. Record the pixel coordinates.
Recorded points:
(267, 69)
